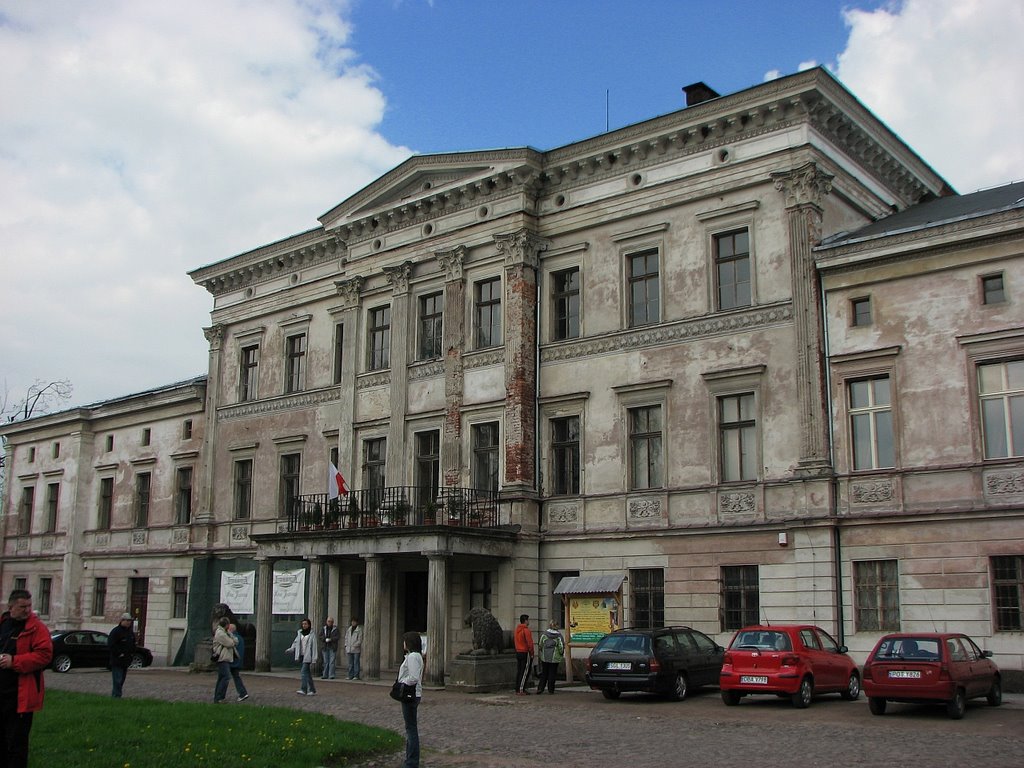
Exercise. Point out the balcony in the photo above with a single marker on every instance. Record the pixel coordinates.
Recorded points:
(394, 507)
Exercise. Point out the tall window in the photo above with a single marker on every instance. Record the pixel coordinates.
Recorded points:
(52, 506)
(28, 499)
(485, 456)
(741, 596)
(487, 320)
(871, 423)
(430, 326)
(380, 338)
(645, 441)
(45, 589)
(565, 455)
(1008, 592)
(860, 312)
(295, 363)
(738, 434)
(644, 288)
(374, 465)
(877, 595)
(143, 482)
(1001, 386)
(186, 429)
(243, 489)
(992, 291)
(291, 468)
(480, 589)
(339, 351)
(99, 596)
(647, 588)
(732, 268)
(147, 435)
(249, 373)
(183, 506)
(179, 608)
(106, 506)
(428, 465)
(566, 296)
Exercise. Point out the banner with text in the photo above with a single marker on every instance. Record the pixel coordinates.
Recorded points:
(290, 592)
(238, 590)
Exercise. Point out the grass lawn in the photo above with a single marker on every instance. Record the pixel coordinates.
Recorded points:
(91, 731)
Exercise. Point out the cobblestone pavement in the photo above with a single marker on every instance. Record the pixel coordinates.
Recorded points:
(578, 728)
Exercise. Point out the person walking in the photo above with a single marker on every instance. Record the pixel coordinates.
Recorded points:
(353, 647)
(329, 636)
(411, 673)
(524, 654)
(121, 642)
(305, 651)
(236, 665)
(25, 651)
(552, 651)
(224, 651)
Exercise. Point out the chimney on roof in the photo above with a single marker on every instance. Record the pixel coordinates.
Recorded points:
(697, 93)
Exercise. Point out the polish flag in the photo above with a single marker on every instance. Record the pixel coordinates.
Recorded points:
(335, 483)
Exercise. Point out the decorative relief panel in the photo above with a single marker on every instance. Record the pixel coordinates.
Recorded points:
(426, 371)
(370, 381)
(22, 545)
(139, 536)
(1004, 483)
(240, 534)
(180, 536)
(102, 539)
(48, 542)
(483, 359)
(876, 492)
(737, 503)
(643, 510)
(564, 514)
(291, 402)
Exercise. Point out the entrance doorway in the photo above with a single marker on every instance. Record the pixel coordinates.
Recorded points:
(138, 600)
(415, 613)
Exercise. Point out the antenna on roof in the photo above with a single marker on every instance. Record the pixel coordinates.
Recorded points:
(606, 110)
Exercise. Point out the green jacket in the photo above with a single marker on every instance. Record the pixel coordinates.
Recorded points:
(552, 647)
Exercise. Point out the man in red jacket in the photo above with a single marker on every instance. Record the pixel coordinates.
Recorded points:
(25, 651)
(524, 654)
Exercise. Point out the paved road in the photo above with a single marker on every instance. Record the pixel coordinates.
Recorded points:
(577, 728)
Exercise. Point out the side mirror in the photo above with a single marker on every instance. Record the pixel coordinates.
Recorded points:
(987, 654)
(843, 649)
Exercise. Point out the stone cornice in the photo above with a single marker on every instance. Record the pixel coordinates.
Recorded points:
(272, 261)
(299, 400)
(667, 333)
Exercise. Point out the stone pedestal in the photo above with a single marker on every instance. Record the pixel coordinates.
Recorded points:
(202, 661)
(482, 674)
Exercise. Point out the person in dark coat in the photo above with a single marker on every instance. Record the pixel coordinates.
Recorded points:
(121, 642)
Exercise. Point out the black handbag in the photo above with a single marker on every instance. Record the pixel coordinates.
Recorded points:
(402, 692)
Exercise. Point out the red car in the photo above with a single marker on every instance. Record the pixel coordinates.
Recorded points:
(797, 661)
(930, 667)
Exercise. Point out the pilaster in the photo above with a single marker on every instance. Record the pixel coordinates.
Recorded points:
(370, 659)
(437, 615)
(264, 611)
(215, 336)
(454, 341)
(398, 278)
(350, 292)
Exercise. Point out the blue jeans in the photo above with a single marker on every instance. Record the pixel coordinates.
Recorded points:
(223, 678)
(236, 675)
(118, 673)
(412, 734)
(353, 666)
(307, 679)
(330, 655)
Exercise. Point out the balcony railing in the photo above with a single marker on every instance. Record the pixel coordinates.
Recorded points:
(394, 506)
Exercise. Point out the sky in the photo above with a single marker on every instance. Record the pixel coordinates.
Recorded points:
(141, 140)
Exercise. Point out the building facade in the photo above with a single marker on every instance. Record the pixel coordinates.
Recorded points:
(629, 356)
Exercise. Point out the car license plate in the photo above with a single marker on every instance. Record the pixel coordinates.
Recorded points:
(909, 674)
(753, 680)
(620, 665)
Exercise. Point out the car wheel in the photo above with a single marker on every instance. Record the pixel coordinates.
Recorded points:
(802, 698)
(852, 687)
(731, 698)
(62, 663)
(876, 705)
(610, 693)
(680, 689)
(957, 707)
(995, 693)
(138, 662)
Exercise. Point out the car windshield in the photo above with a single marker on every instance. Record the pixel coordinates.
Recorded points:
(623, 644)
(762, 640)
(919, 648)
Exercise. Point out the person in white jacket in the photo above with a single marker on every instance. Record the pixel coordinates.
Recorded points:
(353, 647)
(411, 673)
(306, 652)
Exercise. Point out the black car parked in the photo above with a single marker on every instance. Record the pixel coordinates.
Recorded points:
(668, 660)
(88, 648)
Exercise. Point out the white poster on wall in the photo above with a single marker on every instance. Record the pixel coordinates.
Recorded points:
(290, 592)
(238, 590)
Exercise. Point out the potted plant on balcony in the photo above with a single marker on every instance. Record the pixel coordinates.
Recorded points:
(430, 513)
(333, 514)
(402, 513)
(353, 512)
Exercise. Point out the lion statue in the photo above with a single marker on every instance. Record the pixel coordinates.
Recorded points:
(487, 634)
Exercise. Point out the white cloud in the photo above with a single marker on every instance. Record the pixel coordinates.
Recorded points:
(141, 140)
(946, 76)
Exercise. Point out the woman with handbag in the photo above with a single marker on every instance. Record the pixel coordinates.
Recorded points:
(224, 653)
(411, 675)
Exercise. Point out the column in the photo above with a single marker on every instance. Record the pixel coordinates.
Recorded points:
(370, 659)
(215, 335)
(804, 189)
(521, 251)
(454, 330)
(264, 611)
(437, 616)
(398, 278)
(349, 291)
(315, 594)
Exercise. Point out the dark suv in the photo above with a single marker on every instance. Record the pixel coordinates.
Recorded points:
(668, 660)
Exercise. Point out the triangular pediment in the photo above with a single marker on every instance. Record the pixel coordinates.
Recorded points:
(424, 176)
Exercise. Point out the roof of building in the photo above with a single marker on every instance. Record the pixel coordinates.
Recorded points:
(589, 585)
(941, 210)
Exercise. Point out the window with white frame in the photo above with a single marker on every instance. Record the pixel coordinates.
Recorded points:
(487, 313)
(645, 447)
(565, 455)
(732, 268)
(871, 424)
(427, 446)
(1001, 390)
(248, 373)
(644, 281)
(295, 363)
(737, 430)
(860, 311)
(431, 314)
(484, 439)
(876, 596)
(374, 466)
